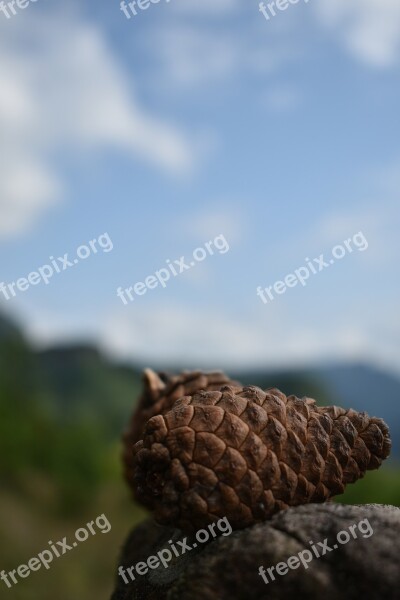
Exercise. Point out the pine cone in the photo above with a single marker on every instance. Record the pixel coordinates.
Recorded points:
(244, 454)
(160, 393)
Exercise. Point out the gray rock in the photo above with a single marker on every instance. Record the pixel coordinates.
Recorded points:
(227, 568)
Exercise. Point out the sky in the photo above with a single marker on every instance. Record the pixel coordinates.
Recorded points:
(192, 120)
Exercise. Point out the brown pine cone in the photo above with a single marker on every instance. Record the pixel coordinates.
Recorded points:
(161, 390)
(245, 454)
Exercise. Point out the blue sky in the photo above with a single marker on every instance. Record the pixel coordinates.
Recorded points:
(193, 119)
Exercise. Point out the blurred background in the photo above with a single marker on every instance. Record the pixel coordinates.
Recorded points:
(192, 119)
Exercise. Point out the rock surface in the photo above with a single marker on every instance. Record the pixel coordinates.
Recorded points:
(227, 568)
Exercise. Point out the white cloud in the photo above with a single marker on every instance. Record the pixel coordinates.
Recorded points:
(377, 220)
(195, 56)
(27, 190)
(191, 54)
(206, 338)
(202, 226)
(62, 89)
(282, 98)
(172, 335)
(370, 29)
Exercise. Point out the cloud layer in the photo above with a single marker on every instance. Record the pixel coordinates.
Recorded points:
(63, 90)
(370, 29)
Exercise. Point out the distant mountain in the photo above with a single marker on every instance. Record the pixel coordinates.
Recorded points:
(73, 383)
(16, 363)
(8, 330)
(88, 385)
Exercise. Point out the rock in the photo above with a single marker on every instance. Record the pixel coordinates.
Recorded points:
(227, 568)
